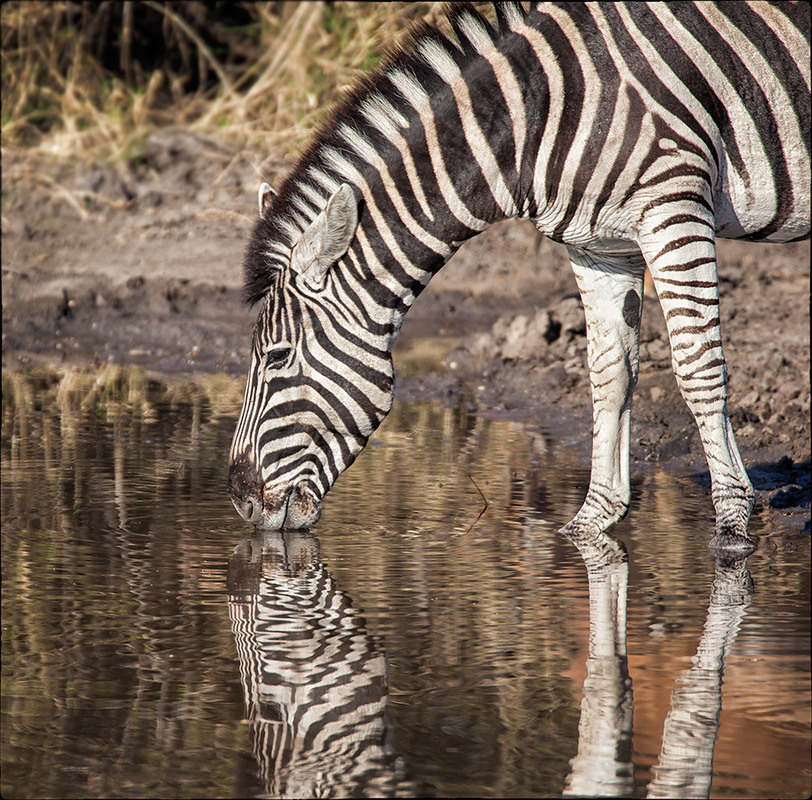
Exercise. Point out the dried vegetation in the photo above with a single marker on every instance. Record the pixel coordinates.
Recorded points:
(85, 81)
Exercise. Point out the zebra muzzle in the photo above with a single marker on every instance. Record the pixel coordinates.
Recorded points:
(302, 509)
(293, 507)
(298, 509)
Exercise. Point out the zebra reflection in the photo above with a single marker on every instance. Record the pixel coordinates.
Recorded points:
(685, 765)
(603, 765)
(315, 684)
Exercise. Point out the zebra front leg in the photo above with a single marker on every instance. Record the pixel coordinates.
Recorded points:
(612, 291)
(685, 277)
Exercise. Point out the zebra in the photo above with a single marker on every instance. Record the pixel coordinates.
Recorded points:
(603, 765)
(315, 682)
(634, 134)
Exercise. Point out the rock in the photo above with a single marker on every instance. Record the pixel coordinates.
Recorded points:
(525, 339)
(569, 314)
(513, 346)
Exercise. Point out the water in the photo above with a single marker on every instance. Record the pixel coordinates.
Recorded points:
(417, 642)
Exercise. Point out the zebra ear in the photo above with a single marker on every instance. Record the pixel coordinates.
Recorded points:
(328, 236)
(264, 197)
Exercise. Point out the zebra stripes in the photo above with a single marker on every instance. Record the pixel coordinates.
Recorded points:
(634, 134)
(315, 684)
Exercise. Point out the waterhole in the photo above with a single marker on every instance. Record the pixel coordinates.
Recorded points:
(434, 635)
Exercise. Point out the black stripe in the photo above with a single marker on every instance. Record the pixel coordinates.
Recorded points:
(309, 458)
(379, 379)
(754, 100)
(599, 119)
(631, 135)
(532, 81)
(491, 112)
(642, 70)
(347, 335)
(777, 56)
(573, 101)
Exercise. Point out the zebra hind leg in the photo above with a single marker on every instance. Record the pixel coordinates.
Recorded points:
(612, 292)
(685, 277)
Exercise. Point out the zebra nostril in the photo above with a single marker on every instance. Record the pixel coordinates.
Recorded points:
(250, 510)
(245, 489)
(255, 511)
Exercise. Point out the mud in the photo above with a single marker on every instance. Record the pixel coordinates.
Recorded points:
(141, 264)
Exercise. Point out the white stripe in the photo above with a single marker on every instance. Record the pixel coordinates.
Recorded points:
(365, 149)
(344, 167)
(381, 114)
(439, 60)
(793, 39)
(555, 81)
(506, 79)
(746, 205)
(416, 96)
(789, 130)
(384, 277)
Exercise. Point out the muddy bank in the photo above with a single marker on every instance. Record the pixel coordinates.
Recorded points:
(141, 264)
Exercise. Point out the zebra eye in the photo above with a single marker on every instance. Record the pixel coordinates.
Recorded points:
(277, 356)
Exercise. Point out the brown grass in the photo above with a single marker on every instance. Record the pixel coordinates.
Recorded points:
(83, 82)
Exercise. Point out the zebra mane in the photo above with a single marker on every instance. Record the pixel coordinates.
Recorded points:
(376, 104)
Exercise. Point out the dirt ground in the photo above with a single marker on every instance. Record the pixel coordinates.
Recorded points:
(142, 265)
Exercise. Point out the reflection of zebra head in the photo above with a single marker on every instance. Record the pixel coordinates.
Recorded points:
(315, 684)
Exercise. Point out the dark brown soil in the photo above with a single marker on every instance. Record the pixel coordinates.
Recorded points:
(142, 265)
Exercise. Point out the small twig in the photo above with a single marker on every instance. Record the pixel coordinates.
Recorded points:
(484, 500)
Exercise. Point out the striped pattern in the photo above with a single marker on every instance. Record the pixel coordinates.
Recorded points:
(315, 684)
(634, 134)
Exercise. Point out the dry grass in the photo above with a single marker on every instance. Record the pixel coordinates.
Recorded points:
(78, 82)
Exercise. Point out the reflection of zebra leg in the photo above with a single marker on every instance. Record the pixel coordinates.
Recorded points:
(315, 684)
(689, 734)
(603, 765)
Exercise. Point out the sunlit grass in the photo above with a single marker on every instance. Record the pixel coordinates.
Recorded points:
(73, 84)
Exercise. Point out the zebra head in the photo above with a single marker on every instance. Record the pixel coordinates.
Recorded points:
(320, 381)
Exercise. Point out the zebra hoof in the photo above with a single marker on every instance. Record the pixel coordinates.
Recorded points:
(728, 541)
